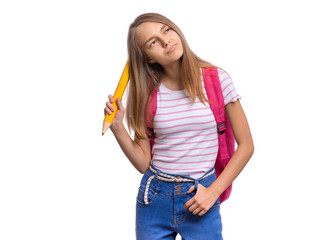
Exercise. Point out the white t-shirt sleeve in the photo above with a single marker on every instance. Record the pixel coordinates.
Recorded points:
(229, 91)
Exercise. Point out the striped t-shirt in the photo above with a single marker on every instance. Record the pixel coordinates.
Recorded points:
(186, 141)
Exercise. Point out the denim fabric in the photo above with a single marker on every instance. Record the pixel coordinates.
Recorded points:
(164, 215)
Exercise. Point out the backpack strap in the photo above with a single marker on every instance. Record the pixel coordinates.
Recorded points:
(215, 96)
(226, 141)
(150, 130)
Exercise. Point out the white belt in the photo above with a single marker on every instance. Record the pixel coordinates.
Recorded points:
(169, 178)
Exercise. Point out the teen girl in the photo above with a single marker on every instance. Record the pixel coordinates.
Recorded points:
(186, 141)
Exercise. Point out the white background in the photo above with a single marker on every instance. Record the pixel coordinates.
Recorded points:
(60, 179)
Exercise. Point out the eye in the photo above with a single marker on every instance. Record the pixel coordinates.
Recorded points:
(152, 43)
(167, 30)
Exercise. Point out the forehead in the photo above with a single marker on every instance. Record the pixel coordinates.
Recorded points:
(146, 30)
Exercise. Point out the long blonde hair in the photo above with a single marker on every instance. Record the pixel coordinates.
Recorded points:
(146, 77)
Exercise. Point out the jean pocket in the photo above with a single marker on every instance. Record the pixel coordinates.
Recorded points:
(152, 195)
(215, 206)
(208, 181)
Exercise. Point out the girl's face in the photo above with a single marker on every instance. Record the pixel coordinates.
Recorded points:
(160, 43)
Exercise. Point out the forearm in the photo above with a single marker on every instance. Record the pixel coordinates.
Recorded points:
(131, 149)
(237, 163)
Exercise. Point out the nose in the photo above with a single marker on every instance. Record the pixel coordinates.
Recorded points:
(166, 42)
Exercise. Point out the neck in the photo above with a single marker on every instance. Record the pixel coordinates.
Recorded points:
(172, 76)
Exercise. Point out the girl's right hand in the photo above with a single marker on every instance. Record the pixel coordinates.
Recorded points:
(118, 118)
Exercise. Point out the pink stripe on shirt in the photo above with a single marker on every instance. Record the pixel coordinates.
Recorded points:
(179, 169)
(186, 137)
(183, 118)
(176, 99)
(229, 93)
(183, 156)
(210, 140)
(183, 150)
(187, 130)
(178, 105)
(188, 110)
(187, 162)
(224, 80)
(227, 86)
(181, 125)
(237, 96)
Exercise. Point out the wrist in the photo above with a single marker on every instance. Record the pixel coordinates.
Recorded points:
(215, 190)
(116, 128)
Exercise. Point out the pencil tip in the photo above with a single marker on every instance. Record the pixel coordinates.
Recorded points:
(102, 134)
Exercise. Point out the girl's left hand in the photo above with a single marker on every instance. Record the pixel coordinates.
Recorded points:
(203, 200)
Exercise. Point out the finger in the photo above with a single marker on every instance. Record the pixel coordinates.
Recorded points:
(194, 208)
(202, 213)
(111, 98)
(119, 105)
(107, 111)
(191, 189)
(110, 106)
(188, 204)
(197, 211)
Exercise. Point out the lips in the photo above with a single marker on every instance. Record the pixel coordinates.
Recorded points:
(172, 48)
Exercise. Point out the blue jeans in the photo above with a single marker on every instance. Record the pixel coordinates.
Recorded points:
(164, 215)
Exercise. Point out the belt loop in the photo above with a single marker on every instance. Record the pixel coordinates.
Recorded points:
(156, 175)
(196, 184)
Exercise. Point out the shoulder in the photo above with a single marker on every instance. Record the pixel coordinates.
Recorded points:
(229, 91)
(221, 72)
(223, 75)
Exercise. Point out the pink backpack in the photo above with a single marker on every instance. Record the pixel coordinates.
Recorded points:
(226, 138)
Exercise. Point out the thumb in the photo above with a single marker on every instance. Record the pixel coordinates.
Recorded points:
(119, 105)
(191, 189)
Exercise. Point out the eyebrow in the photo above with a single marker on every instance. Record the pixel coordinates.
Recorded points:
(164, 25)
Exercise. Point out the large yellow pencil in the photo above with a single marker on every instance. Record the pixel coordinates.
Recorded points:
(119, 92)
